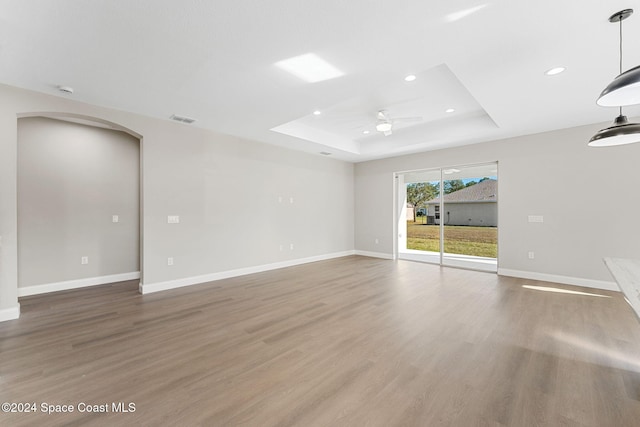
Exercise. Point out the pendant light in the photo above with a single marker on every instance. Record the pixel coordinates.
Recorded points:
(624, 89)
(622, 132)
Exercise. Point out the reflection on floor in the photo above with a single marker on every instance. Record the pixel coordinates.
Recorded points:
(452, 260)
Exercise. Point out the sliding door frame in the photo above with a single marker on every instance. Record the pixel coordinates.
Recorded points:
(399, 206)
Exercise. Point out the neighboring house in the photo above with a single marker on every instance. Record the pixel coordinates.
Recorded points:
(475, 205)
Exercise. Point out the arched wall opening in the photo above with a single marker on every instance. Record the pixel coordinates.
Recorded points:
(79, 190)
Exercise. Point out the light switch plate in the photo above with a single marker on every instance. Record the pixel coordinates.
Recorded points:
(173, 219)
(115, 218)
(536, 218)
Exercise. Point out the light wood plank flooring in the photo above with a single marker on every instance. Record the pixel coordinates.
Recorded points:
(353, 341)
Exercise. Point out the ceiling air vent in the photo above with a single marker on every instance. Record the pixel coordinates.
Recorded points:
(66, 89)
(182, 119)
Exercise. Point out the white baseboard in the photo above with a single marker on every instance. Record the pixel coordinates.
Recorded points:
(374, 254)
(78, 283)
(147, 288)
(565, 280)
(10, 313)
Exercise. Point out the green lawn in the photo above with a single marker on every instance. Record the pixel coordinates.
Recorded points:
(476, 241)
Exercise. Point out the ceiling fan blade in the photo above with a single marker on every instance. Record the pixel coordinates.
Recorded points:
(387, 133)
(408, 119)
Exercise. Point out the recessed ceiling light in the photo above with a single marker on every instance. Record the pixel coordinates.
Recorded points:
(317, 113)
(449, 110)
(366, 132)
(310, 68)
(410, 78)
(554, 71)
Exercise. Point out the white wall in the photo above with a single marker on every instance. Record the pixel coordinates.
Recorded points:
(553, 174)
(225, 189)
(72, 179)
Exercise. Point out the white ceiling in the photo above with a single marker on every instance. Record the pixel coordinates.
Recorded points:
(215, 61)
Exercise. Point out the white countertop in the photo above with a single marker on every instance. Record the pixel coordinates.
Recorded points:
(627, 275)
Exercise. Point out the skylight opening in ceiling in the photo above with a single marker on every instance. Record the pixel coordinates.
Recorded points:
(310, 68)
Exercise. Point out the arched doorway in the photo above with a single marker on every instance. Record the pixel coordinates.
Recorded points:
(79, 202)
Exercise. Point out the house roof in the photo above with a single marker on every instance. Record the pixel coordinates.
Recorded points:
(485, 191)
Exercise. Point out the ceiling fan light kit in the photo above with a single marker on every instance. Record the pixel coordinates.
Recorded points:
(383, 127)
(385, 123)
(623, 90)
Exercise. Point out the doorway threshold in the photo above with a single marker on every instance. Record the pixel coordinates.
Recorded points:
(451, 260)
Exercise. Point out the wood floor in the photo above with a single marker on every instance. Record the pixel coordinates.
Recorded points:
(348, 342)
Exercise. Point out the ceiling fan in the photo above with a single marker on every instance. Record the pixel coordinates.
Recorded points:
(385, 123)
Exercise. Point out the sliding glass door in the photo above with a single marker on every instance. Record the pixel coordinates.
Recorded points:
(449, 216)
(470, 217)
(419, 235)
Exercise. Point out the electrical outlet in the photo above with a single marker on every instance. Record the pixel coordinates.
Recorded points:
(532, 255)
(170, 261)
(291, 246)
(377, 241)
(291, 200)
(115, 218)
(84, 260)
(281, 248)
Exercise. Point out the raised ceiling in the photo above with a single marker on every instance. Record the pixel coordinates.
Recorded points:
(216, 62)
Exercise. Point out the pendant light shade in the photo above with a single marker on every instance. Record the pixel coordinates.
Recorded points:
(623, 90)
(622, 132)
